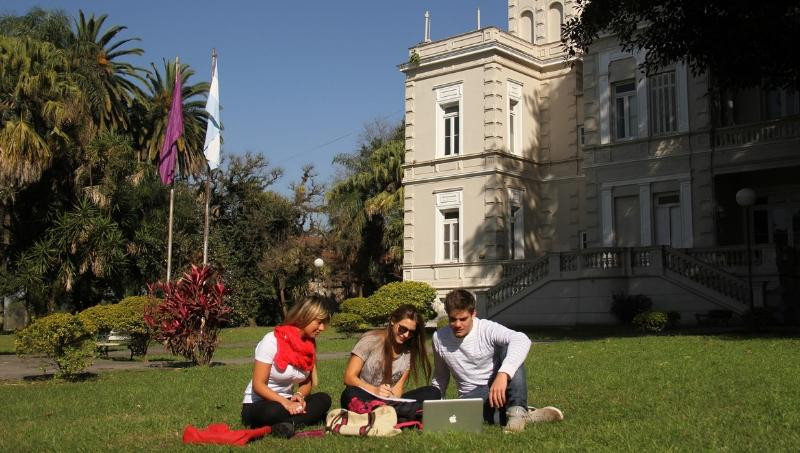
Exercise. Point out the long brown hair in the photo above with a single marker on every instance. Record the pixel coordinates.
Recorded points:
(415, 345)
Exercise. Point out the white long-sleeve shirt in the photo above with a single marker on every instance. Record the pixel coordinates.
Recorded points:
(470, 359)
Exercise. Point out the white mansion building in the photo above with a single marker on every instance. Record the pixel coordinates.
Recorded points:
(545, 185)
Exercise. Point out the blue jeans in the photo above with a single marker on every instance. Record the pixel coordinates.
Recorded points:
(516, 391)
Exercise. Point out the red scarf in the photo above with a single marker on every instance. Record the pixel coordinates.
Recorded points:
(219, 433)
(293, 349)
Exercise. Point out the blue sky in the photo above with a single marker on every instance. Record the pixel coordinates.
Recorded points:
(295, 84)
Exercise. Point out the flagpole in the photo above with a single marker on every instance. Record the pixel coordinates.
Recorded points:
(208, 177)
(169, 235)
(171, 194)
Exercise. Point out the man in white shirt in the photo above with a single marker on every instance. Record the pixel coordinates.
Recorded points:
(486, 360)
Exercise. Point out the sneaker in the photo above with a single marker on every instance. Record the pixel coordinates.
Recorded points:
(517, 419)
(544, 414)
(284, 430)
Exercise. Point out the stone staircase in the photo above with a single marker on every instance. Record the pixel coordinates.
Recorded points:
(682, 268)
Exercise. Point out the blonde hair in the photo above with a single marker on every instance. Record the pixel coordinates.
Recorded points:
(303, 313)
(306, 311)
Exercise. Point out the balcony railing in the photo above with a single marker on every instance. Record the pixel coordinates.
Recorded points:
(781, 129)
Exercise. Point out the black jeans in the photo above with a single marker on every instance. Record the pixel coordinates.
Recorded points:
(268, 413)
(421, 394)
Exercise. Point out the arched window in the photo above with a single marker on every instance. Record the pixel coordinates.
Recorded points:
(526, 26)
(555, 20)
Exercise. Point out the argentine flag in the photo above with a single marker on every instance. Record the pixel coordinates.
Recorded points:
(211, 148)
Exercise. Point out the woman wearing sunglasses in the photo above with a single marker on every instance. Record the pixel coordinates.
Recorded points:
(382, 361)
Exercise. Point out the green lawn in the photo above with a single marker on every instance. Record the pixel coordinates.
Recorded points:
(240, 342)
(6, 344)
(678, 393)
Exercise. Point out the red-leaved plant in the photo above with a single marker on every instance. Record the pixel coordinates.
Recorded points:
(191, 315)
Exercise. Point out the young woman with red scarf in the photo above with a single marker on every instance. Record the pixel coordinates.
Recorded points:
(285, 358)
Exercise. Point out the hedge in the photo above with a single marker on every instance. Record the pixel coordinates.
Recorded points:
(64, 338)
(388, 297)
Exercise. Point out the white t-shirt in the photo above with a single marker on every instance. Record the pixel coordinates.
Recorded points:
(281, 381)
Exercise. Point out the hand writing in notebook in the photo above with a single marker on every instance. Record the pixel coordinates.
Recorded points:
(385, 390)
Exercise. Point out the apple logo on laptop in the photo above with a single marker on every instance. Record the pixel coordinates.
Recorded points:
(453, 419)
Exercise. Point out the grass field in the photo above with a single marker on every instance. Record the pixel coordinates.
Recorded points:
(666, 393)
(6, 344)
(240, 342)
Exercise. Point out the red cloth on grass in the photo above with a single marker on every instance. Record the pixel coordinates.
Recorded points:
(219, 433)
(293, 349)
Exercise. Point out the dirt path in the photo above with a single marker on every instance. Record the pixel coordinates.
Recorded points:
(29, 368)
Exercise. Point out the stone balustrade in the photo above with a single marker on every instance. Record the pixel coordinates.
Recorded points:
(748, 134)
(629, 262)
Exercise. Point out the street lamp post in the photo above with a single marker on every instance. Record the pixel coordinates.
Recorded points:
(746, 198)
(318, 263)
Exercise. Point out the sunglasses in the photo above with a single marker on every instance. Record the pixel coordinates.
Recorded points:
(402, 330)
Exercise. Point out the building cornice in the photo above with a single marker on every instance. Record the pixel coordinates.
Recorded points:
(490, 46)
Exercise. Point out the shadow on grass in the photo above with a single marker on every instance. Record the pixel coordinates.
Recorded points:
(181, 364)
(80, 377)
(589, 333)
(141, 360)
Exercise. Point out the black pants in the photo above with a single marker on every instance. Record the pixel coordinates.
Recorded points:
(268, 413)
(421, 394)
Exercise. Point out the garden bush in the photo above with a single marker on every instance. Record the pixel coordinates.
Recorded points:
(626, 306)
(388, 297)
(358, 306)
(443, 322)
(759, 317)
(64, 338)
(191, 314)
(348, 323)
(673, 319)
(130, 319)
(651, 321)
(100, 318)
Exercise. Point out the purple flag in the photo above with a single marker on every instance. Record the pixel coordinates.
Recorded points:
(169, 151)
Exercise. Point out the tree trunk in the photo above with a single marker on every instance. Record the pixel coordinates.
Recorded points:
(282, 298)
(6, 228)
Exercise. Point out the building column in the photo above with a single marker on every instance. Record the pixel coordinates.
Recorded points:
(605, 108)
(607, 216)
(686, 213)
(646, 215)
(682, 96)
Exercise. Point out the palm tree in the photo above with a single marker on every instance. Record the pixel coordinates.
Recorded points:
(108, 82)
(152, 117)
(82, 247)
(40, 105)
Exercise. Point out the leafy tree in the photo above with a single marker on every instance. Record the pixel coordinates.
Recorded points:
(39, 24)
(248, 218)
(740, 43)
(365, 210)
(81, 247)
(289, 264)
(41, 104)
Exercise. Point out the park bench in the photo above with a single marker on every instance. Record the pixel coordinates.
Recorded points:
(714, 318)
(110, 340)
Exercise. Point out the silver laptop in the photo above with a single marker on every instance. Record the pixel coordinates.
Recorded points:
(465, 415)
